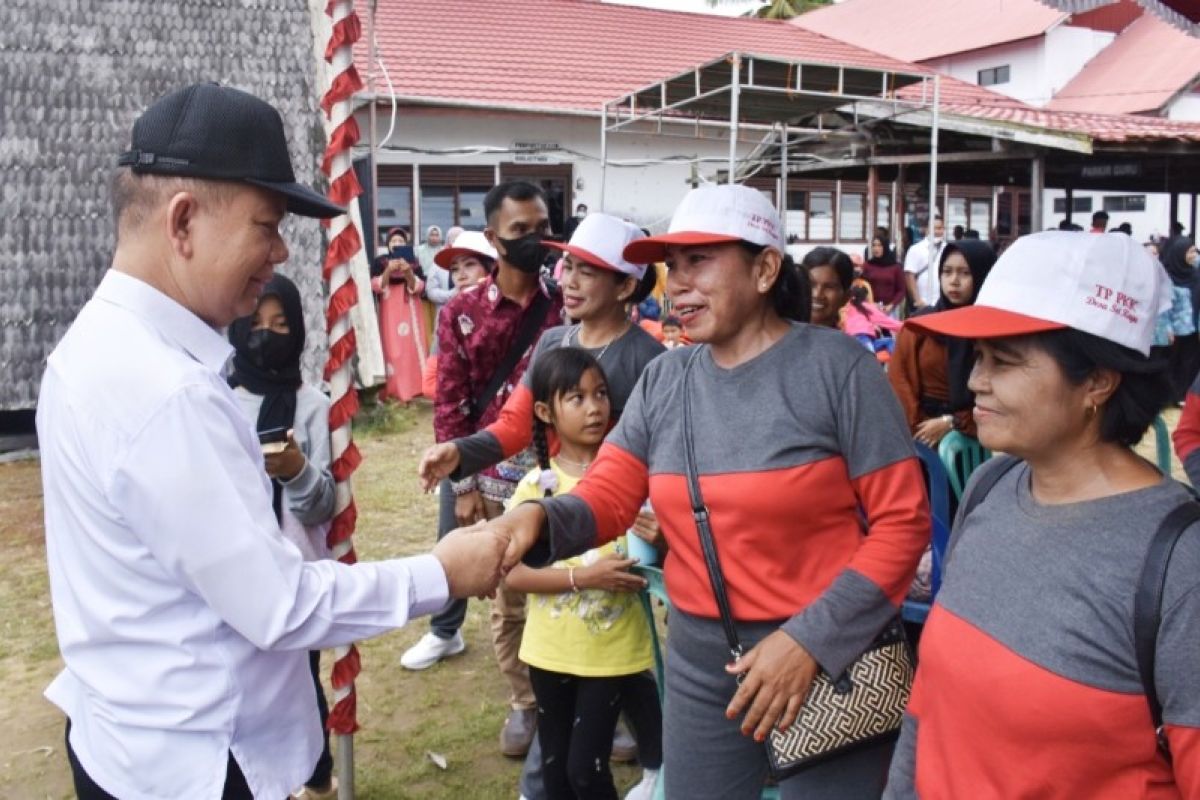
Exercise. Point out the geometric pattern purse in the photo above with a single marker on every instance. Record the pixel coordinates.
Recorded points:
(862, 706)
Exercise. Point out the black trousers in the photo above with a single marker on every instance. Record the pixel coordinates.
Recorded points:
(323, 772)
(446, 622)
(576, 720)
(86, 788)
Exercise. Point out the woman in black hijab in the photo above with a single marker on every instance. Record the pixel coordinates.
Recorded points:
(271, 391)
(930, 373)
(1179, 259)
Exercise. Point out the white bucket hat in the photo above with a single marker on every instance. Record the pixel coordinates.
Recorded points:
(601, 240)
(466, 243)
(715, 214)
(1106, 285)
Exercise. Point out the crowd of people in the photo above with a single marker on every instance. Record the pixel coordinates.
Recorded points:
(758, 441)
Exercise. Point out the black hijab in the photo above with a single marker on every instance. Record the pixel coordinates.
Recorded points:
(268, 364)
(1174, 258)
(960, 353)
(273, 372)
(889, 255)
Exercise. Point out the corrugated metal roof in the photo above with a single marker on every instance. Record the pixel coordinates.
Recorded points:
(73, 77)
(920, 30)
(1141, 71)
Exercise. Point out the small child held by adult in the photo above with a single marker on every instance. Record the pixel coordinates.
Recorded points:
(672, 333)
(295, 417)
(587, 639)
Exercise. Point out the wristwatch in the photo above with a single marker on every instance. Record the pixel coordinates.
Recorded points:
(949, 420)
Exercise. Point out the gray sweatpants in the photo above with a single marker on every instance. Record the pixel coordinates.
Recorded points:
(706, 756)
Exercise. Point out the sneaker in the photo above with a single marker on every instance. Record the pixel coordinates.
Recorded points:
(645, 789)
(624, 747)
(432, 649)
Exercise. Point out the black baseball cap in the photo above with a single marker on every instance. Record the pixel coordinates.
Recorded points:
(220, 133)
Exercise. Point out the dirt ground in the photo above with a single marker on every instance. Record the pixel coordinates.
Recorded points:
(454, 709)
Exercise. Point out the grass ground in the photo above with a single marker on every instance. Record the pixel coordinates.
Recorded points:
(454, 709)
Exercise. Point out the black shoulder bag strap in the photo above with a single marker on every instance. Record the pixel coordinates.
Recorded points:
(700, 515)
(1002, 465)
(535, 315)
(1147, 605)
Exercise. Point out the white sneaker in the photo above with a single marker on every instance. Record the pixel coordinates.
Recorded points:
(645, 789)
(432, 649)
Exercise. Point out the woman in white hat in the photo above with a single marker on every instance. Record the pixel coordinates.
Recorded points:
(598, 286)
(1049, 660)
(800, 449)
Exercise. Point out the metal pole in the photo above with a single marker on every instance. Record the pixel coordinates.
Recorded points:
(1070, 201)
(1037, 191)
(603, 151)
(933, 153)
(736, 93)
(783, 179)
(345, 767)
(373, 164)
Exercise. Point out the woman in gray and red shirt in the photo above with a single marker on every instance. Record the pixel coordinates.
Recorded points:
(801, 451)
(1029, 684)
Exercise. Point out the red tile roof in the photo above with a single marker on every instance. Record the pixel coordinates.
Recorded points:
(919, 30)
(1142, 70)
(570, 56)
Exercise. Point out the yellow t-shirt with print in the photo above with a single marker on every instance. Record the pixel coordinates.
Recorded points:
(593, 633)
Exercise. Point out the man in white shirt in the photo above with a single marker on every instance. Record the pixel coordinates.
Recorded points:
(183, 617)
(921, 267)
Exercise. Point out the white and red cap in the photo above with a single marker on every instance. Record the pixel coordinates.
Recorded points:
(467, 243)
(715, 214)
(600, 241)
(1106, 285)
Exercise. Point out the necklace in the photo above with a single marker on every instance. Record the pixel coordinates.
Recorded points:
(574, 332)
(580, 465)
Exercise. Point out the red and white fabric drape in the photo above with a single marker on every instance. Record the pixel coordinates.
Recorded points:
(344, 243)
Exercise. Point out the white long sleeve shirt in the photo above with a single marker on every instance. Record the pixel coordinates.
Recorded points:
(183, 616)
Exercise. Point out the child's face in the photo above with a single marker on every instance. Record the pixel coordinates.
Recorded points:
(671, 333)
(467, 271)
(581, 414)
(269, 316)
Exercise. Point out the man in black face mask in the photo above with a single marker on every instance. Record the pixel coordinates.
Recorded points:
(485, 339)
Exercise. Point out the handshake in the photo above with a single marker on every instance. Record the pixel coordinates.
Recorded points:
(478, 557)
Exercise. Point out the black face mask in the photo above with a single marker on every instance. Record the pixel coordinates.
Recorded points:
(526, 253)
(268, 350)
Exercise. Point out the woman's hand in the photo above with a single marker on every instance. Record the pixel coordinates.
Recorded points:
(776, 675)
(287, 463)
(611, 574)
(932, 431)
(523, 527)
(645, 527)
(438, 462)
(469, 508)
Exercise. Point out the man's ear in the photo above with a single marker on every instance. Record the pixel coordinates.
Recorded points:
(182, 211)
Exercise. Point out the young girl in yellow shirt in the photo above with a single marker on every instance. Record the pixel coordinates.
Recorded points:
(587, 640)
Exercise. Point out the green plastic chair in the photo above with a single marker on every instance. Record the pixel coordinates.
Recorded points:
(657, 589)
(1162, 445)
(961, 455)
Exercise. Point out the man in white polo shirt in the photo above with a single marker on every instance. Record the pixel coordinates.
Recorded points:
(921, 267)
(183, 617)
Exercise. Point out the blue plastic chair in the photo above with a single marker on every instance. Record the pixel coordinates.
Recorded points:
(916, 611)
(1162, 445)
(961, 455)
(657, 589)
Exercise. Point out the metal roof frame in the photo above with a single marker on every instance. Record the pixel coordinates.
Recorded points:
(766, 93)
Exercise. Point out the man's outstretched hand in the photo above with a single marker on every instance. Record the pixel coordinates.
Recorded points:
(473, 558)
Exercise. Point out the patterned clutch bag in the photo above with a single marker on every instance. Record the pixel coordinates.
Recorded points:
(864, 706)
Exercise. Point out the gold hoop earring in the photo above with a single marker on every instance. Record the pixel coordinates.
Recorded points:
(1091, 411)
